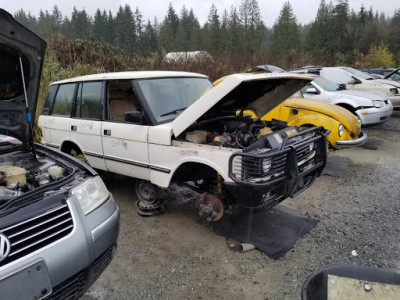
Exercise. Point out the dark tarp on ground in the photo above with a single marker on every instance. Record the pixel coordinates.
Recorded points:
(273, 232)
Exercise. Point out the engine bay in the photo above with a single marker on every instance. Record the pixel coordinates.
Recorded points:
(241, 132)
(21, 172)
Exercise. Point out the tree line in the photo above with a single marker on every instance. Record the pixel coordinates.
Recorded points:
(344, 35)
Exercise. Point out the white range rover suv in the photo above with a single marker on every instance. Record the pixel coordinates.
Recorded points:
(165, 127)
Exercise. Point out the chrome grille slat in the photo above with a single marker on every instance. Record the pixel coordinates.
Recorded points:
(37, 225)
(40, 241)
(37, 232)
(61, 207)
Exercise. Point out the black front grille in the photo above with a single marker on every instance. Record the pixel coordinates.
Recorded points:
(297, 152)
(76, 285)
(71, 288)
(254, 168)
(37, 232)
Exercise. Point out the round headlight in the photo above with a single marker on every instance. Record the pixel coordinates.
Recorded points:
(341, 130)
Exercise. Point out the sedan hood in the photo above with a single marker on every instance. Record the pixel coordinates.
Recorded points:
(356, 94)
(17, 43)
(388, 82)
(259, 93)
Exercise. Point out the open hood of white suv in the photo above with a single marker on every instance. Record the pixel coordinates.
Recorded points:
(259, 92)
(17, 108)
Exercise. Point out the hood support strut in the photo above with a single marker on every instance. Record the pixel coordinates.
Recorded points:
(28, 114)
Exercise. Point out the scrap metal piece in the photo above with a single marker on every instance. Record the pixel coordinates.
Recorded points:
(210, 207)
(148, 209)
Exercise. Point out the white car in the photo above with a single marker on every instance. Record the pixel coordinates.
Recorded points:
(162, 127)
(357, 80)
(371, 108)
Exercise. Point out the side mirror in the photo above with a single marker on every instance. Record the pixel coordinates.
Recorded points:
(354, 80)
(351, 81)
(134, 117)
(312, 91)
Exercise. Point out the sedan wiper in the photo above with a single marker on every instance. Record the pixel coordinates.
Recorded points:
(173, 112)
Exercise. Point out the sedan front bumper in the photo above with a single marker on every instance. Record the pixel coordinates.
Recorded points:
(353, 143)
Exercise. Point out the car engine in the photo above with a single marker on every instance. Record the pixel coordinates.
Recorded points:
(20, 173)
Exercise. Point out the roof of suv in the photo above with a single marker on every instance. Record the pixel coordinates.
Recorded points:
(130, 75)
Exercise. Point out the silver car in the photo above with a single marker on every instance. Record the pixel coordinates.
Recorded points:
(371, 108)
(58, 222)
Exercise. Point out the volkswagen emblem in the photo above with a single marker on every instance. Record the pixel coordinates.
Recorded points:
(5, 247)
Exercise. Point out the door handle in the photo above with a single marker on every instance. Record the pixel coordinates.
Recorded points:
(74, 128)
(107, 132)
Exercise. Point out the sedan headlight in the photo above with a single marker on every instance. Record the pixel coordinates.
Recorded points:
(341, 130)
(378, 103)
(91, 194)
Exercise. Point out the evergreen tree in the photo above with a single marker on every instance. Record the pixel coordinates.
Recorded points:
(169, 31)
(125, 29)
(26, 19)
(100, 26)
(80, 23)
(212, 30)
(286, 35)
(148, 40)
(235, 29)
(320, 35)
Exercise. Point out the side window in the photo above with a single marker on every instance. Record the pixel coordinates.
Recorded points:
(121, 99)
(88, 101)
(63, 101)
(304, 89)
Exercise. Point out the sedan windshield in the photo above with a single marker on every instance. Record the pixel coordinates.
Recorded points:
(168, 97)
(359, 74)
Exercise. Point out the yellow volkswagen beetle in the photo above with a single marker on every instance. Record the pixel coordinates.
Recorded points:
(344, 126)
(296, 111)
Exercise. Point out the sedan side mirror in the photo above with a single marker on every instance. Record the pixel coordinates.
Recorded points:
(134, 117)
(353, 81)
(312, 91)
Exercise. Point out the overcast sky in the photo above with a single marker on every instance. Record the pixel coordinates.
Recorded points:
(305, 10)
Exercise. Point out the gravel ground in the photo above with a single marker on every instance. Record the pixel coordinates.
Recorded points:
(177, 256)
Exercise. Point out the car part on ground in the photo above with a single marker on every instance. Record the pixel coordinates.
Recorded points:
(58, 222)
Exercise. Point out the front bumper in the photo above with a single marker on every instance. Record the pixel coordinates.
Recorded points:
(370, 116)
(68, 265)
(353, 143)
(293, 169)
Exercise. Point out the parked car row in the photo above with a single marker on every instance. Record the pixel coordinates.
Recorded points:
(352, 79)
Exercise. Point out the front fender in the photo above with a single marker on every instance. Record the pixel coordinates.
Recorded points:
(320, 120)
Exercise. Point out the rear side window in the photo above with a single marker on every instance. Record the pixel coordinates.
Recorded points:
(88, 101)
(63, 101)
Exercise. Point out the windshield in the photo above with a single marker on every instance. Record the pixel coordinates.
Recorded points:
(326, 84)
(359, 74)
(168, 97)
(395, 75)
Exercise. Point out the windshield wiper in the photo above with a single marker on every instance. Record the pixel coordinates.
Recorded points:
(173, 112)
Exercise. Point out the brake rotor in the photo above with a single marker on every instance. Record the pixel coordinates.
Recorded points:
(210, 207)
